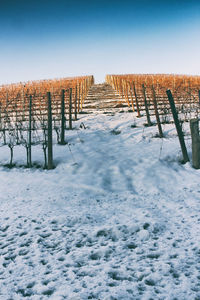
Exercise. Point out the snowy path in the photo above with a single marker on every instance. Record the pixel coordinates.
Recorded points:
(113, 221)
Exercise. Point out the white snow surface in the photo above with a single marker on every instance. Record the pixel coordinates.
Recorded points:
(118, 218)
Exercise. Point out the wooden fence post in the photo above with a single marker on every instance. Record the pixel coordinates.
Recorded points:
(62, 135)
(146, 106)
(50, 140)
(194, 127)
(178, 127)
(156, 112)
(70, 108)
(29, 133)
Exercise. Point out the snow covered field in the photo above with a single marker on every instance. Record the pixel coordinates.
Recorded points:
(118, 218)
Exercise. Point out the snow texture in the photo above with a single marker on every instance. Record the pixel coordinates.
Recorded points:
(118, 218)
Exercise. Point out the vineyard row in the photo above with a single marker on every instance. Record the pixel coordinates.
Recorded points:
(140, 91)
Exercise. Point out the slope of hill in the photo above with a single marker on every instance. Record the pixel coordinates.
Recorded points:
(118, 218)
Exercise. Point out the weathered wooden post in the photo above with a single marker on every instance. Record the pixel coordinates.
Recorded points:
(79, 93)
(178, 127)
(194, 128)
(146, 106)
(62, 135)
(70, 108)
(156, 112)
(50, 139)
(199, 96)
(75, 108)
(136, 100)
(29, 133)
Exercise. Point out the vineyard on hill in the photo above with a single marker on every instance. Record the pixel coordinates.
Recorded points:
(36, 112)
(117, 215)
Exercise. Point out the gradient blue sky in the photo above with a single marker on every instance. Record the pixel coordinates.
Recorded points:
(50, 39)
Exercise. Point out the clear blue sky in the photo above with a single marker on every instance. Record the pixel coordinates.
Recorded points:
(49, 39)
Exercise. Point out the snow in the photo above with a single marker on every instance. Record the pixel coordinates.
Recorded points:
(118, 218)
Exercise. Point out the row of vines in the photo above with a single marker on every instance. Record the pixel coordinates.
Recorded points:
(31, 113)
(170, 98)
(139, 90)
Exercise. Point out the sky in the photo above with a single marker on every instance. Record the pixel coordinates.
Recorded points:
(44, 39)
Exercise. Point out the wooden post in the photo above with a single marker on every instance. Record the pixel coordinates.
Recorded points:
(78, 97)
(85, 89)
(178, 127)
(16, 123)
(194, 127)
(81, 92)
(146, 106)
(123, 90)
(156, 112)
(29, 133)
(132, 104)
(75, 109)
(24, 105)
(136, 100)
(126, 91)
(50, 140)
(62, 135)
(70, 108)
